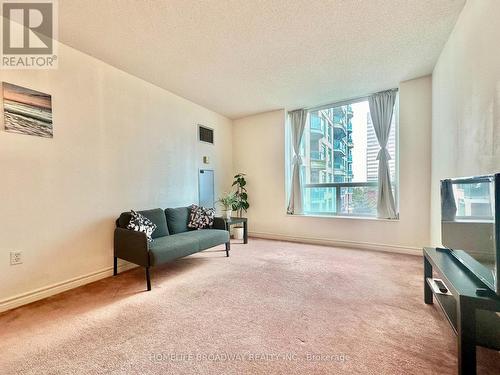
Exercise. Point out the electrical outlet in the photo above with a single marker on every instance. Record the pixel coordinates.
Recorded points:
(16, 257)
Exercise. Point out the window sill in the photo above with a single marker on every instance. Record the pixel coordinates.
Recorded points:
(370, 218)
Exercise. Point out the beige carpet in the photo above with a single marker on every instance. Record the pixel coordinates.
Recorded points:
(272, 307)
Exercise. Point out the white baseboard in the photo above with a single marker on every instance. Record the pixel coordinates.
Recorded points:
(50, 290)
(340, 243)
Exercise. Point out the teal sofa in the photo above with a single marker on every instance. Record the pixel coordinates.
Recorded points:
(172, 239)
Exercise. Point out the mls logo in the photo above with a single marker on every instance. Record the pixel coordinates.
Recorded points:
(28, 33)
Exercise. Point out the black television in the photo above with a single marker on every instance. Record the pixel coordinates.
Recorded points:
(470, 224)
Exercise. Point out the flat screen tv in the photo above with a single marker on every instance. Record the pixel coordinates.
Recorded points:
(470, 224)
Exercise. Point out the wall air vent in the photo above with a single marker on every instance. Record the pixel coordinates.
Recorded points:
(205, 134)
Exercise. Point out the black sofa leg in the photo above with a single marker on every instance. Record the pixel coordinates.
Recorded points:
(228, 247)
(148, 279)
(115, 266)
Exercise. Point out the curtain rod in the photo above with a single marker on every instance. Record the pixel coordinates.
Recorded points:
(343, 102)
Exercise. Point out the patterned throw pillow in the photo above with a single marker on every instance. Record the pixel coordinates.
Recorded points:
(141, 223)
(201, 217)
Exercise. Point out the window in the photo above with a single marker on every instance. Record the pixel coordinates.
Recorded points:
(340, 167)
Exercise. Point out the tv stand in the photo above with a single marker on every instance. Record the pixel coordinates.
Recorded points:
(473, 317)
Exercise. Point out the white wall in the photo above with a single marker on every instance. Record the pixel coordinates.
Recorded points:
(466, 101)
(258, 149)
(119, 143)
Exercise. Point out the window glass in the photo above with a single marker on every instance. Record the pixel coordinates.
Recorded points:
(340, 169)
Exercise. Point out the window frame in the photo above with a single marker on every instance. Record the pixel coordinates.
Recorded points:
(339, 185)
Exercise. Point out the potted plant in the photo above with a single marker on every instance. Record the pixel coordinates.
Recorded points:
(241, 203)
(228, 200)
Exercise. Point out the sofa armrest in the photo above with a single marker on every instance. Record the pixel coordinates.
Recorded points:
(219, 223)
(131, 246)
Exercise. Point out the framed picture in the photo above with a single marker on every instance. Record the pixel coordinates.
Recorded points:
(27, 111)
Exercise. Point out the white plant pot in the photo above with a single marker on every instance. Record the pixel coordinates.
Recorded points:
(238, 233)
(226, 214)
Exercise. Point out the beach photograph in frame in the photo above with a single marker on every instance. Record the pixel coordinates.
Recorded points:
(27, 111)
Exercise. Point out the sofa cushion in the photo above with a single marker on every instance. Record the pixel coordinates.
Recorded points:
(157, 216)
(168, 248)
(208, 238)
(177, 219)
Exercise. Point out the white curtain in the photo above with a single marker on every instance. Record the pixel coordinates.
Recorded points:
(381, 110)
(297, 120)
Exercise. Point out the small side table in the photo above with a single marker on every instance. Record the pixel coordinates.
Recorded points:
(233, 221)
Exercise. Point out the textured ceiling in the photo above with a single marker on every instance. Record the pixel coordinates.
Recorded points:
(239, 57)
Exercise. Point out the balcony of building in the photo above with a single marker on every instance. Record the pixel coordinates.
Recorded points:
(349, 112)
(318, 161)
(339, 147)
(327, 139)
(340, 129)
(317, 128)
(339, 166)
(318, 164)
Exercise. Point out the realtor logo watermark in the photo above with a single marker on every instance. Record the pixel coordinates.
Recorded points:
(29, 30)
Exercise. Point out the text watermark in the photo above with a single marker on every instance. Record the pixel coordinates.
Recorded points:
(29, 33)
(247, 357)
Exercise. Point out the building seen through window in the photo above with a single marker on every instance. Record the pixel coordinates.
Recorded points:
(340, 166)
